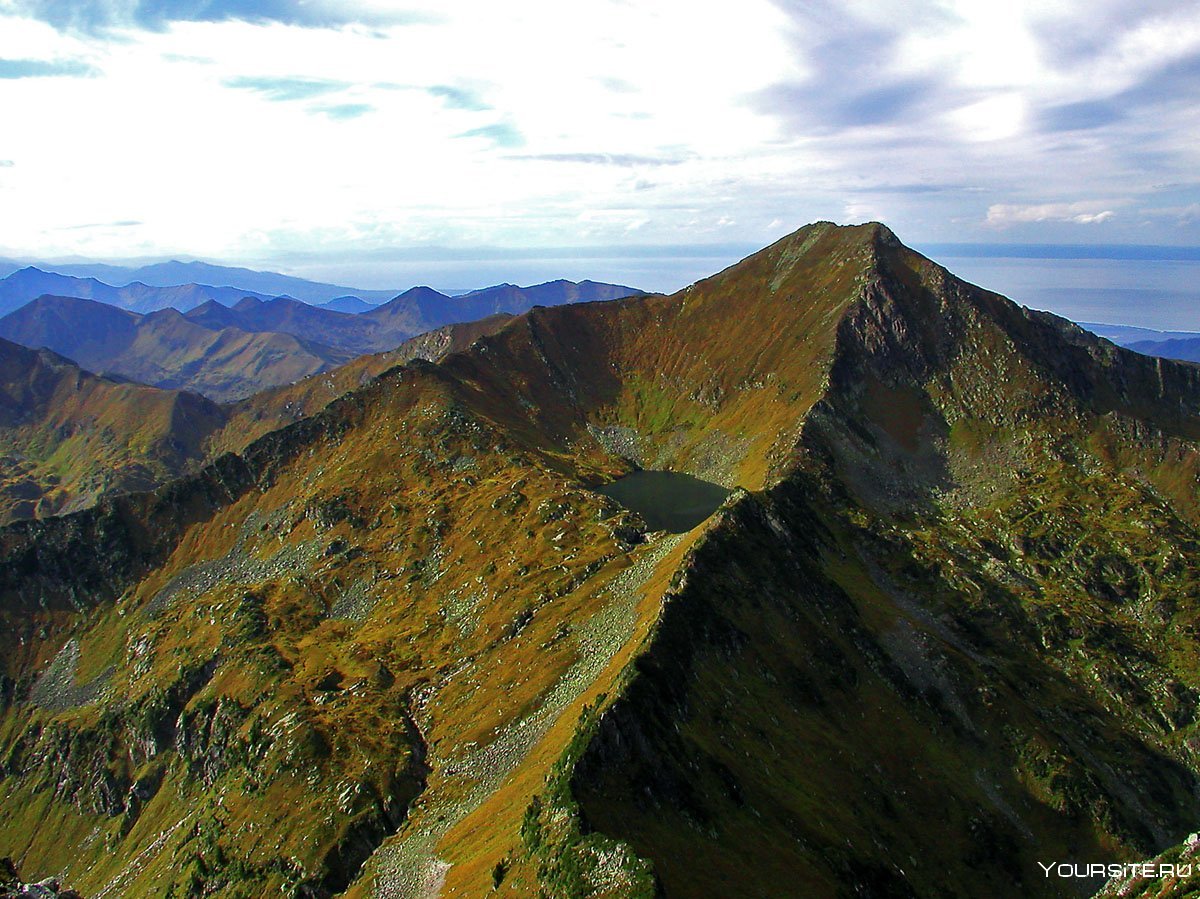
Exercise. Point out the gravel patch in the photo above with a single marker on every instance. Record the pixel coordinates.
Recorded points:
(357, 602)
(407, 866)
(620, 441)
(239, 566)
(56, 690)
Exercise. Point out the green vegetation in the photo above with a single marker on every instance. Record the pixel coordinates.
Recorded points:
(404, 645)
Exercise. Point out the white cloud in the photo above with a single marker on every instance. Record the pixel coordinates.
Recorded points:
(1092, 212)
(540, 123)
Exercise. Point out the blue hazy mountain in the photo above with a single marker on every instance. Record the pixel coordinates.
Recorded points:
(1128, 335)
(1182, 349)
(349, 304)
(1183, 346)
(167, 349)
(176, 273)
(26, 284)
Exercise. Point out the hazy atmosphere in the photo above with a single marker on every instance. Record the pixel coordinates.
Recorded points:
(375, 143)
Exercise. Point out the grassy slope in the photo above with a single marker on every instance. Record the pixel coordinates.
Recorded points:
(829, 684)
(461, 502)
(323, 654)
(67, 436)
(952, 642)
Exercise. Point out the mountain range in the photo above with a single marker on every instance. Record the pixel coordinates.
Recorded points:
(924, 634)
(144, 285)
(186, 285)
(230, 352)
(1182, 349)
(27, 284)
(69, 438)
(167, 348)
(174, 273)
(1183, 346)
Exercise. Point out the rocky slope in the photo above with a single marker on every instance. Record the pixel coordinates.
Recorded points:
(942, 627)
(12, 887)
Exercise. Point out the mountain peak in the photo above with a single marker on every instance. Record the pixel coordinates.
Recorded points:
(901, 634)
(422, 290)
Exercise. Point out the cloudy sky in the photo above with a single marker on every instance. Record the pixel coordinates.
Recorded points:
(335, 139)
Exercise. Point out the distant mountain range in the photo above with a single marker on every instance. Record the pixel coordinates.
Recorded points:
(240, 281)
(69, 438)
(149, 293)
(1181, 345)
(166, 348)
(185, 285)
(27, 284)
(1183, 349)
(229, 352)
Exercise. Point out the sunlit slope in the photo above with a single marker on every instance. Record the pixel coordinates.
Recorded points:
(68, 436)
(278, 625)
(270, 409)
(714, 380)
(401, 648)
(953, 640)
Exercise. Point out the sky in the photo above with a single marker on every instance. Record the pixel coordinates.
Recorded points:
(355, 141)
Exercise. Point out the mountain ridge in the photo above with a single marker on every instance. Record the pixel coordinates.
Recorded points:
(166, 348)
(912, 649)
(67, 433)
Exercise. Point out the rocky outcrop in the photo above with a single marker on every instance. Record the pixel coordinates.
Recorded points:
(11, 886)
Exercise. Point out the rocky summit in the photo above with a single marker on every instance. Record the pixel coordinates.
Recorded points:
(929, 623)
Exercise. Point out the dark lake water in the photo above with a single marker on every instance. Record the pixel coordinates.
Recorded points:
(667, 500)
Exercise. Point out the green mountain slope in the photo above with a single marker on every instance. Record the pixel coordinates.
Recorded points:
(68, 437)
(940, 629)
